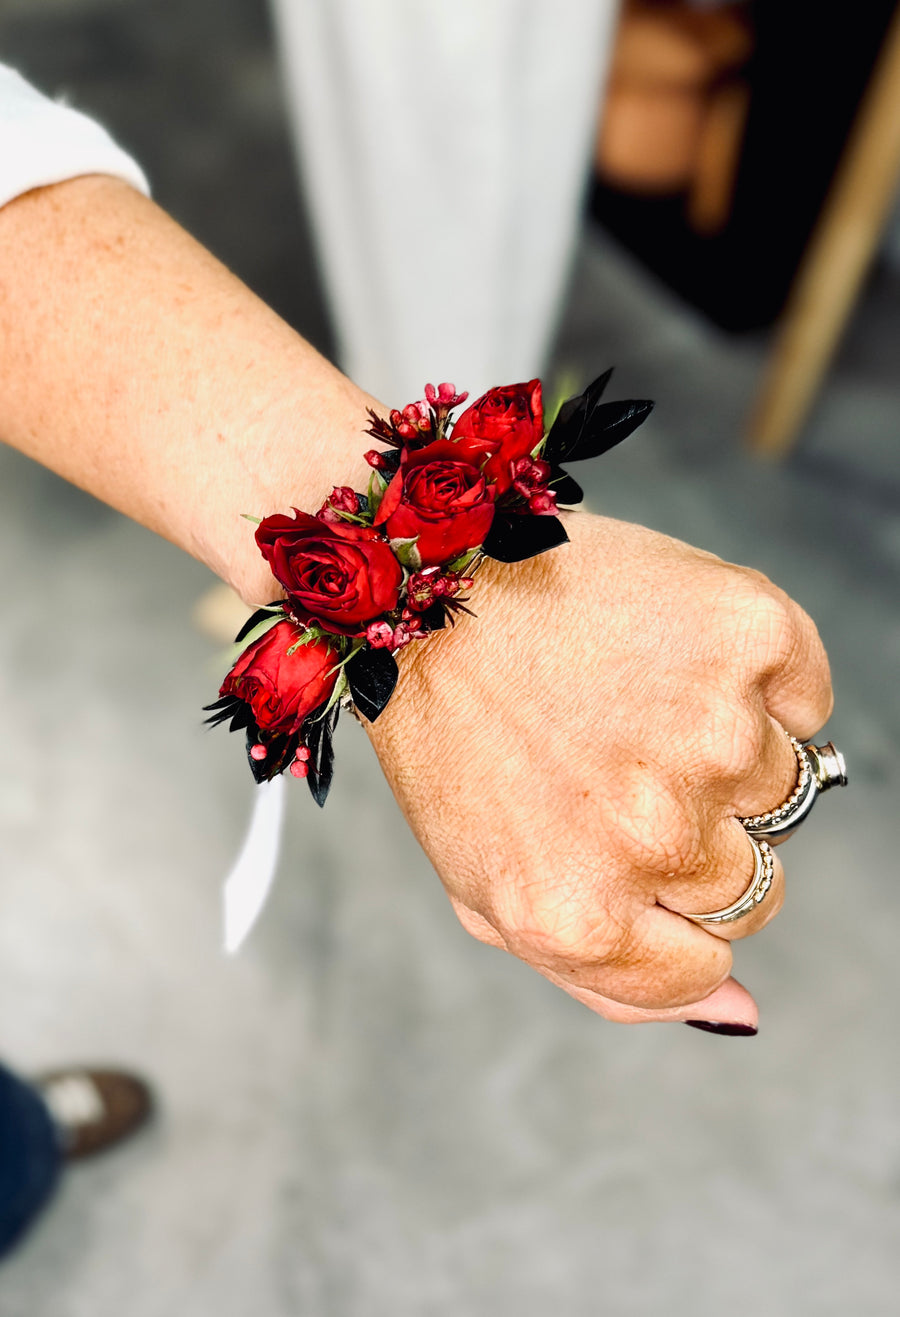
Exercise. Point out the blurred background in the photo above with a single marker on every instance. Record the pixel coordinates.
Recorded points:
(365, 1112)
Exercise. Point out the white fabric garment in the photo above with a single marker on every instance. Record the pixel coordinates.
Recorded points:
(444, 145)
(43, 142)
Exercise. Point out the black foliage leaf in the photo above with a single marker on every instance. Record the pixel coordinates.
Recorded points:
(586, 427)
(372, 674)
(317, 735)
(564, 487)
(515, 536)
(221, 703)
(390, 462)
(254, 620)
(242, 718)
(222, 710)
(607, 426)
(434, 618)
(573, 409)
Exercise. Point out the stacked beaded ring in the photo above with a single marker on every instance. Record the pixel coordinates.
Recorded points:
(763, 874)
(820, 767)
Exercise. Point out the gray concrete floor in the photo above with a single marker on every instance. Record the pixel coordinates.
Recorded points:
(366, 1112)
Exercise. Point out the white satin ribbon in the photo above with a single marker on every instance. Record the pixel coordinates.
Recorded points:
(248, 885)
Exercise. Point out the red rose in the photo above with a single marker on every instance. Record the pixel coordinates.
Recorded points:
(340, 575)
(282, 688)
(502, 425)
(441, 497)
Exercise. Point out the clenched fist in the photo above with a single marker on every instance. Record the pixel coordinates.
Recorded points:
(575, 761)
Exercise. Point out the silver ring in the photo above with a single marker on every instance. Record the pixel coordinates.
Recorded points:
(763, 873)
(820, 768)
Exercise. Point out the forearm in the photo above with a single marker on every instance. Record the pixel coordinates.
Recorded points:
(136, 366)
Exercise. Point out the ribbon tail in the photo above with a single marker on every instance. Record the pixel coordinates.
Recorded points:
(248, 885)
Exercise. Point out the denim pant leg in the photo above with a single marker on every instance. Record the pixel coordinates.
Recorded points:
(30, 1156)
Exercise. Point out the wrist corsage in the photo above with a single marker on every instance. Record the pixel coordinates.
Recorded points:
(370, 573)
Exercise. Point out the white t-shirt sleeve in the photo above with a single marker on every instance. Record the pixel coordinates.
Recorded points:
(43, 142)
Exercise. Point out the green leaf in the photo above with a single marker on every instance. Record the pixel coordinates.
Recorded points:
(463, 561)
(377, 486)
(257, 521)
(407, 554)
(341, 686)
(256, 633)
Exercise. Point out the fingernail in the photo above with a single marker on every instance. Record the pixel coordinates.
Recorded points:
(722, 1026)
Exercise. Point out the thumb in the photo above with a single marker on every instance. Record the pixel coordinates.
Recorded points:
(730, 1008)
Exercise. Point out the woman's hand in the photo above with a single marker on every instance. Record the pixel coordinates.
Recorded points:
(574, 761)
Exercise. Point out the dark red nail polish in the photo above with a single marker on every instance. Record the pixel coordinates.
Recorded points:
(722, 1026)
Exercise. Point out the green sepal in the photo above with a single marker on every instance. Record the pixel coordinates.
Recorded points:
(307, 636)
(407, 554)
(377, 486)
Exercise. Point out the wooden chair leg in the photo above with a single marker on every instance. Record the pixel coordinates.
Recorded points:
(840, 251)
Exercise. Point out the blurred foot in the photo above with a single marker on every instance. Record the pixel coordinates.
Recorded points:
(94, 1109)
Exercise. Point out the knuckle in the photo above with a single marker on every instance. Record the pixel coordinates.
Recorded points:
(740, 747)
(772, 633)
(653, 830)
(730, 741)
(551, 924)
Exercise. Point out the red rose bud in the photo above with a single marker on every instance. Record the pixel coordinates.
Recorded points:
(500, 427)
(543, 504)
(375, 459)
(342, 576)
(282, 688)
(439, 498)
(341, 499)
(379, 635)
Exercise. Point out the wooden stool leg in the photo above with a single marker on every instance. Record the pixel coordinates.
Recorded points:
(836, 261)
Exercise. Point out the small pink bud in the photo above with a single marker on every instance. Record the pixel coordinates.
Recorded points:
(406, 430)
(396, 417)
(375, 459)
(431, 394)
(258, 752)
(543, 504)
(299, 769)
(466, 582)
(379, 635)
(446, 392)
(301, 753)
